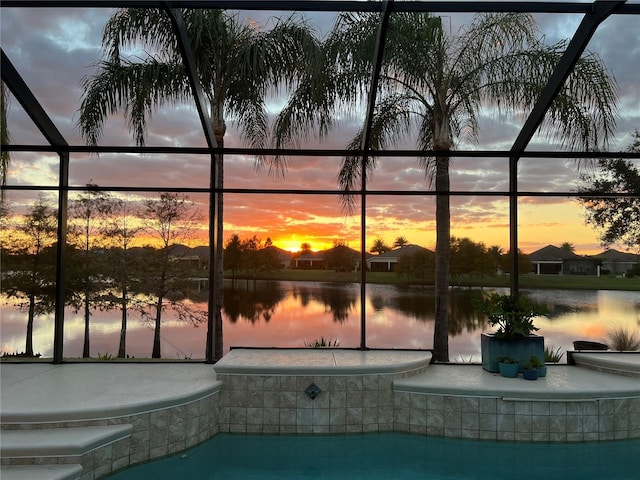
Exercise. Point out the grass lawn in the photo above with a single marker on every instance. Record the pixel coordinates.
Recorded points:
(570, 282)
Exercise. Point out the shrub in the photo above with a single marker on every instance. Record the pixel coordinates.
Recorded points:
(322, 343)
(622, 339)
(553, 356)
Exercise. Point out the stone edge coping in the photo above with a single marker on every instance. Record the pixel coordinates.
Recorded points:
(322, 361)
(88, 414)
(41, 472)
(624, 362)
(479, 383)
(54, 442)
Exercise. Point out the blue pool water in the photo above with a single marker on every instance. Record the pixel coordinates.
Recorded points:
(391, 456)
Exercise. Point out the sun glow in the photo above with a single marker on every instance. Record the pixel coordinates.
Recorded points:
(294, 243)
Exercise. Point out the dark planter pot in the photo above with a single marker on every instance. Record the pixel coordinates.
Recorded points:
(509, 370)
(520, 349)
(530, 373)
(542, 371)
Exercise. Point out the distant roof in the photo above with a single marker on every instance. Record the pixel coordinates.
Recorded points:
(618, 256)
(398, 252)
(551, 253)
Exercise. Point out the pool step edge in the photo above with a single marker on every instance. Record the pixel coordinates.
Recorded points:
(63, 453)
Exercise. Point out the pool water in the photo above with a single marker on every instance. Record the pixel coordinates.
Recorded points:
(390, 456)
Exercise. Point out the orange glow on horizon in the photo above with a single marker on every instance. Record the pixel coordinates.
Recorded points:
(294, 242)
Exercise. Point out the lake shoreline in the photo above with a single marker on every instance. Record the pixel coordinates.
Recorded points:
(554, 282)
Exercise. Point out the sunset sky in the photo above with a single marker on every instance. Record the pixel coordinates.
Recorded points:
(54, 49)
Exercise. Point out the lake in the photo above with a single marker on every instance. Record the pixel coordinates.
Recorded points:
(291, 314)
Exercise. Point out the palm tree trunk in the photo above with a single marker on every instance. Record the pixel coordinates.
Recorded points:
(219, 129)
(443, 254)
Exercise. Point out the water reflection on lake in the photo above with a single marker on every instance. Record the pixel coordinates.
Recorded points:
(289, 314)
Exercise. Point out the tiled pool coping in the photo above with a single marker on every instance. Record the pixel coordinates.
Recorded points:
(321, 361)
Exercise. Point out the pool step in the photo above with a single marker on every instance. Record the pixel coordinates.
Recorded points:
(617, 363)
(60, 453)
(41, 472)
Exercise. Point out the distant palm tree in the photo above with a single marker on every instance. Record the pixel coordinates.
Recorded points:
(400, 242)
(379, 246)
(432, 86)
(237, 63)
(495, 254)
(568, 246)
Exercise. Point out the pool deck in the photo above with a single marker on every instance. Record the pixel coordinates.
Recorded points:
(35, 392)
(104, 396)
(42, 392)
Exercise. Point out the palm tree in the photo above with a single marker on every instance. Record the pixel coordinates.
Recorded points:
(432, 86)
(568, 246)
(379, 246)
(400, 242)
(237, 63)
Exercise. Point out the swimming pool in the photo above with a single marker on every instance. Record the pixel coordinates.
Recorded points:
(390, 456)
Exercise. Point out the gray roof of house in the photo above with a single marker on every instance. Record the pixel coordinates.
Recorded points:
(398, 252)
(613, 255)
(551, 253)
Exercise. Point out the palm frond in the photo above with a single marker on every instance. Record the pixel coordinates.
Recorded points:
(134, 88)
(149, 29)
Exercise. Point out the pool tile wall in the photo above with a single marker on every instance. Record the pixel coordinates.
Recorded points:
(367, 403)
(279, 404)
(490, 418)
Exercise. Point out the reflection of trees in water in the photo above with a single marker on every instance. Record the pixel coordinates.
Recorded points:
(556, 310)
(254, 302)
(337, 300)
(421, 306)
(463, 315)
(379, 302)
(559, 303)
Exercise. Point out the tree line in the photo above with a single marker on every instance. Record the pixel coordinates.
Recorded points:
(103, 271)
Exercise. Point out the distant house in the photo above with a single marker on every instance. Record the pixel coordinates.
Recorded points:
(617, 263)
(386, 262)
(552, 260)
(309, 260)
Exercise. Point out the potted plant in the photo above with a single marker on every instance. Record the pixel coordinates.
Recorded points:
(508, 367)
(530, 370)
(514, 337)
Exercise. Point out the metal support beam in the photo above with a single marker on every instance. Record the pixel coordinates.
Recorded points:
(601, 9)
(365, 147)
(451, 6)
(27, 99)
(61, 259)
(184, 44)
